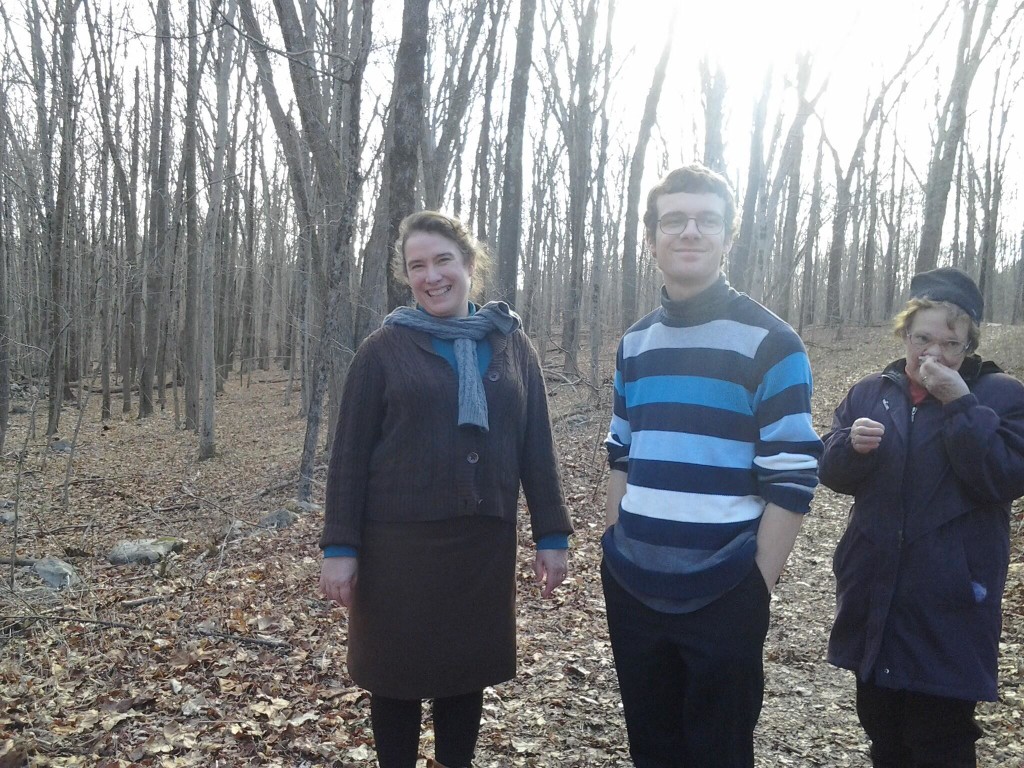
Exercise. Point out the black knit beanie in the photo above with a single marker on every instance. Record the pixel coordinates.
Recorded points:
(952, 285)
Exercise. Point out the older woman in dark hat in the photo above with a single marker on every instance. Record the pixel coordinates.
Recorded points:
(932, 450)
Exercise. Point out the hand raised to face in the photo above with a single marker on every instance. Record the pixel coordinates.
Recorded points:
(945, 384)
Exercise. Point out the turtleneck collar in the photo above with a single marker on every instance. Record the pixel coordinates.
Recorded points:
(699, 308)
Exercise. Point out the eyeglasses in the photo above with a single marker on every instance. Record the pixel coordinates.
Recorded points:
(707, 223)
(950, 347)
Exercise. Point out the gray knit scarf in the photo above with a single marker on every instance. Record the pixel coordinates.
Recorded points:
(465, 331)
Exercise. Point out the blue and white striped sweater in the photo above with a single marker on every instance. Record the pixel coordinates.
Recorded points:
(711, 421)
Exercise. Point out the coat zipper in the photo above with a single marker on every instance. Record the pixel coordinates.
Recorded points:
(903, 517)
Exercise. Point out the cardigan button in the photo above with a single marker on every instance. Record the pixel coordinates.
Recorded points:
(493, 376)
(472, 457)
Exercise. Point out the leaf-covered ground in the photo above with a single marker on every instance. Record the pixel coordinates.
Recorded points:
(226, 655)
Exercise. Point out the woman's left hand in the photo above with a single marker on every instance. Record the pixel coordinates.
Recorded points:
(945, 384)
(551, 567)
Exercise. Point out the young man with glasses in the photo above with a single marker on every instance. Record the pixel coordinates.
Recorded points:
(932, 451)
(713, 464)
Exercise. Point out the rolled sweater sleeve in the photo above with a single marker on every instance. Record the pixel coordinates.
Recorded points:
(538, 461)
(788, 449)
(359, 428)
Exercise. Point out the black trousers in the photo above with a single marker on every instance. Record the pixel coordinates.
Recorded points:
(915, 730)
(691, 683)
(396, 729)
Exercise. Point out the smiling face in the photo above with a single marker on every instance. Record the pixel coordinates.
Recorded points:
(691, 260)
(930, 330)
(438, 274)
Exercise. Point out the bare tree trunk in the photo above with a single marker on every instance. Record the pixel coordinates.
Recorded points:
(837, 248)
(742, 249)
(844, 180)
(792, 157)
(870, 246)
(957, 247)
(131, 310)
(106, 286)
(227, 262)
(891, 216)
(712, 88)
(5, 311)
(789, 256)
(247, 314)
(190, 343)
(597, 212)
(811, 259)
(40, 76)
(949, 125)
(357, 47)
(207, 447)
(163, 80)
(341, 197)
(577, 121)
(58, 224)
(995, 163)
(636, 172)
(460, 76)
(298, 149)
(482, 171)
(407, 122)
(971, 242)
(274, 225)
(510, 229)
(538, 234)
(854, 262)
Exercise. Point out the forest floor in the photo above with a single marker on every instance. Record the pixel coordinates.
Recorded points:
(226, 655)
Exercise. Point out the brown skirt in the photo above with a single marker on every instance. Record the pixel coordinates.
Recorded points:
(434, 609)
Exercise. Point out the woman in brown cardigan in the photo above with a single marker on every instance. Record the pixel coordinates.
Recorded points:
(444, 414)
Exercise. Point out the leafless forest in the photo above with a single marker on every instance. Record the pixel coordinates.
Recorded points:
(196, 189)
(196, 195)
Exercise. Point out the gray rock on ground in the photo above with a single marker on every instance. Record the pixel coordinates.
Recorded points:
(282, 518)
(56, 572)
(144, 550)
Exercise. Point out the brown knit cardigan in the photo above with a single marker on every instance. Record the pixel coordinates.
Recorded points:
(400, 456)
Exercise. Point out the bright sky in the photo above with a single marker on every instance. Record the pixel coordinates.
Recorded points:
(854, 45)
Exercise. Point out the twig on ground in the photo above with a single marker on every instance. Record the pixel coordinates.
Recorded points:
(17, 561)
(61, 529)
(244, 639)
(142, 601)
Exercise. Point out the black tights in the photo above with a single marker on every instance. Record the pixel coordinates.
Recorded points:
(396, 729)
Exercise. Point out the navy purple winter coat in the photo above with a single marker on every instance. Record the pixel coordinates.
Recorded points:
(921, 568)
